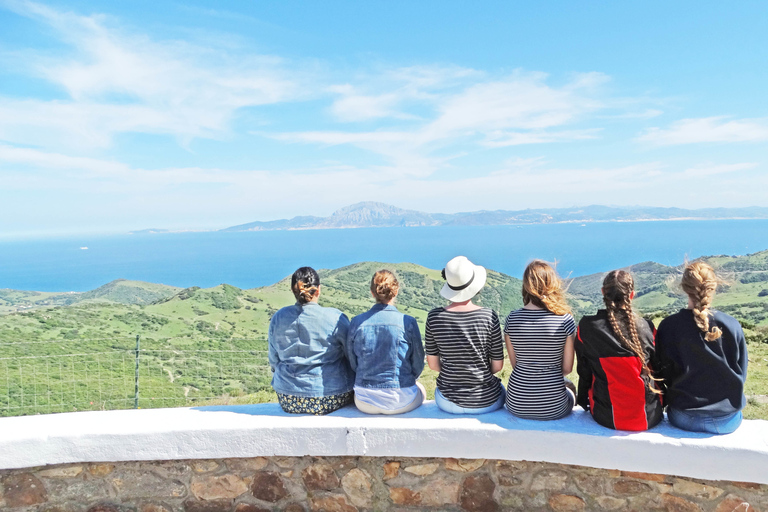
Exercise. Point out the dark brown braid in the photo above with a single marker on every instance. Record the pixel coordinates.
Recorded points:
(618, 286)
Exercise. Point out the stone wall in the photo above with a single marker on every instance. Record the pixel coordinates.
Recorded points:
(348, 484)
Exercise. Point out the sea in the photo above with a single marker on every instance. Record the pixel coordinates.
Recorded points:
(260, 258)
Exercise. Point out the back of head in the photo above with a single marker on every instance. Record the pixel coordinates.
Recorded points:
(304, 284)
(543, 288)
(618, 286)
(384, 286)
(700, 284)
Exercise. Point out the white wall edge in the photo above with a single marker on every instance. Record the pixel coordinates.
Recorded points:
(264, 430)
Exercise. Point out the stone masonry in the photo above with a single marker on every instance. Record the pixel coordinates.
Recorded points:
(349, 484)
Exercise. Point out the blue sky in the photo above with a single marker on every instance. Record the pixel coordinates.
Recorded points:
(128, 115)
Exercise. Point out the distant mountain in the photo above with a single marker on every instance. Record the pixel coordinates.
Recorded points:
(374, 215)
(360, 215)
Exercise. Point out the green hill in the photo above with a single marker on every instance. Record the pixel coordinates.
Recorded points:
(78, 352)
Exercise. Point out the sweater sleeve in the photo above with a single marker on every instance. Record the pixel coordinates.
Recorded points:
(743, 356)
(584, 371)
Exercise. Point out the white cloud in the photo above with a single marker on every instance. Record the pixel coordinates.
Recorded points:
(400, 86)
(16, 156)
(519, 109)
(501, 138)
(712, 170)
(120, 82)
(708, 129)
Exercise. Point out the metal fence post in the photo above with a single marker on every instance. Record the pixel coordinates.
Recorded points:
(136, 377)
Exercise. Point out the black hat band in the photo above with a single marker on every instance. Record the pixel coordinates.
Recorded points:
(459, 288)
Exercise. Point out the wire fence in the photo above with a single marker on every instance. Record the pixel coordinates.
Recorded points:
(123, 373)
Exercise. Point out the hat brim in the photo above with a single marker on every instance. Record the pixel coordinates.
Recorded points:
(470, 291)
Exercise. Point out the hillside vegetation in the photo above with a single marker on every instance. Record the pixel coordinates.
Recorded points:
(77, 351)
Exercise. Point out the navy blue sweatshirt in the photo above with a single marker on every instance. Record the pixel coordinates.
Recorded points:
(702, 377)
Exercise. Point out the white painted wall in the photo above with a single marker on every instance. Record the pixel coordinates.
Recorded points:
(264, 430)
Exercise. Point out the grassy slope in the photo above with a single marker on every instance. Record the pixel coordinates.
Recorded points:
(210, 321)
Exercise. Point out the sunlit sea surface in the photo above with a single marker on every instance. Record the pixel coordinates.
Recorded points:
(253, 259)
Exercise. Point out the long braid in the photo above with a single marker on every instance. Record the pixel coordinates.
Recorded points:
(617, 290)
(700, 284)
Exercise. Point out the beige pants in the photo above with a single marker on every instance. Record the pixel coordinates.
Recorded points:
(372, 409)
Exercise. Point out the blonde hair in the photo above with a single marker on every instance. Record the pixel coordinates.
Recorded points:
(384, 286)
(543, 288)
(700, 284)
(618, 286)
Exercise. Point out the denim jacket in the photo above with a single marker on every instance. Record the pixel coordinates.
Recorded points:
(307, 351)
(385, 348)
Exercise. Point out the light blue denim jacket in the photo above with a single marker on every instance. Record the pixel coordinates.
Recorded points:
(385, 348)
(307, 351)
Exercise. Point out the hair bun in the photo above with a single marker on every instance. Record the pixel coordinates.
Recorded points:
(384, 286)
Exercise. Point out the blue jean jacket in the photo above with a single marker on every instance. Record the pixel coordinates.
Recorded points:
(307, 351)
(385, 348)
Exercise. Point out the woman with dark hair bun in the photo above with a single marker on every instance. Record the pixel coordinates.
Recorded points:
(385, 350)
(311, 374)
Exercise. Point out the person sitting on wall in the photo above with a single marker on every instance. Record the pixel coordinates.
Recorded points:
(539, 339)
(702, 356)
(614, 349)
(464, 344)
(307, 346)
(385, 350)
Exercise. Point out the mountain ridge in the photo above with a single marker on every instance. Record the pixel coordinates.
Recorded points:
(370, 214)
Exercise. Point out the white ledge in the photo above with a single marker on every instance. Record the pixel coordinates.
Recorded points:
(264, 430)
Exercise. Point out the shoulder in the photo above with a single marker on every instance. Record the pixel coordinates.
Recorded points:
(675, 319)
(408, 319)
(726, 321)
(592, 323)
(292, 310)
(435, 312)
(333, 313)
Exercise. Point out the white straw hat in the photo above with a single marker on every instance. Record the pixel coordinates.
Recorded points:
(463, 279)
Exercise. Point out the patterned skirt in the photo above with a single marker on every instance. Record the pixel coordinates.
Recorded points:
(314, 404)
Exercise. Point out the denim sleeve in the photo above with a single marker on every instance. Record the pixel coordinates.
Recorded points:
(417, 352)
(273, 358)
(349, 347)
(342, 333)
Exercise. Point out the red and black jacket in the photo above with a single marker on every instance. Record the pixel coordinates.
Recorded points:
(611, 384)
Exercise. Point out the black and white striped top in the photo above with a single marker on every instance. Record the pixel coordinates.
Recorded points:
(536, 389)
(467, 342)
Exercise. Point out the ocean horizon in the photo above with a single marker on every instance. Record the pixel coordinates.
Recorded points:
(260, 258)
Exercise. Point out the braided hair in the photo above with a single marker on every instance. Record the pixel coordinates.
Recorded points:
(305, 284)
(700, 283)
(618, 286)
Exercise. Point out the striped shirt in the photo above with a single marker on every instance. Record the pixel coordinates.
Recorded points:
(466, 342)
(536, 389)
